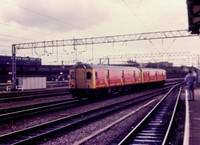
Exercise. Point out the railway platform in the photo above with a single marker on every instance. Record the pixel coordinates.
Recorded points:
(192, 123)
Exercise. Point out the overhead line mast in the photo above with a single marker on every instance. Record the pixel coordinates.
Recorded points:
(106, 39)
(94, 40)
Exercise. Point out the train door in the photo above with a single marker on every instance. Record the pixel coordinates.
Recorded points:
(72, 78)
(157, 74)
(80, 77)
(107, 78)
(133, 77)
(123, 78)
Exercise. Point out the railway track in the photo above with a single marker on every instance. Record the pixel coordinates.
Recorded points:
(24, 111)
(55, 127)
(49, 84)
(26, 95)
(13, 113)
(155, 127)
(18, 96)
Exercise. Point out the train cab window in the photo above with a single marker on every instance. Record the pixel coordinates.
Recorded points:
(88, 75)
(72, 75)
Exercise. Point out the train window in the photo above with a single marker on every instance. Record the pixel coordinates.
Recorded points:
(133, 74)
(107, 74)
(96, 76)
(88, 75)
(123, 74)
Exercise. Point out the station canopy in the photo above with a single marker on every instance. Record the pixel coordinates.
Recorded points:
(193, 7)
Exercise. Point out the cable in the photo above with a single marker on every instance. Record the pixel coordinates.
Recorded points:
(49, 17)
(153, 45)
(139, 21)
(24, 28)
(16, 37)
(134, 14)
(170, 45)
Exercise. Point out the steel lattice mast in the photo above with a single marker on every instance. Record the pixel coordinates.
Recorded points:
(95, 40)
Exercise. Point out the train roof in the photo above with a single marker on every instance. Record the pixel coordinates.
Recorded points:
(82, 65)
(151, 69)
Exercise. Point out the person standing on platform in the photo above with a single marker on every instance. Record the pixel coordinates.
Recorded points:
(190, 80)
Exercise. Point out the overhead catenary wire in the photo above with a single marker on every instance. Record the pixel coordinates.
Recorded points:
(49, 17)
(144, 26)
(44, 15)
(22, 28)
(170, 45)
(131, 10)
(11, 36)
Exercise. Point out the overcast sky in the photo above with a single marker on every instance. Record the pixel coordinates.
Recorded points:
(38, 20)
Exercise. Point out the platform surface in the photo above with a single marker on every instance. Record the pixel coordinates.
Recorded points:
(194, 119)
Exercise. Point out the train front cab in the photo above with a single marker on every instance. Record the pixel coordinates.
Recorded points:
(81, 81)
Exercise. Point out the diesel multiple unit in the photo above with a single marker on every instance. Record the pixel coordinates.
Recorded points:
(86, 80)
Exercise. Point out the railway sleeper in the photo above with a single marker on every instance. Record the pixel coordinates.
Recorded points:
(140, 141)
(150, 134)
(148, 137)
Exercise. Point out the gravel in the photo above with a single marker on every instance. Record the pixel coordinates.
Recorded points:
(106, 137)
(33, 101)
(77, 134)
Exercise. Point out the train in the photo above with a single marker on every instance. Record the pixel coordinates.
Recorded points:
(90, 80)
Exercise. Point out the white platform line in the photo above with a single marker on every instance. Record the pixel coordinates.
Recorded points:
(187, 121)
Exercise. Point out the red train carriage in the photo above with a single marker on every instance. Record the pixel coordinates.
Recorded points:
(153, 77)
(89, 80)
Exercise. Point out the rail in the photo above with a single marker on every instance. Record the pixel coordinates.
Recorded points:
(50, 84)
(55, 127)
(25, 95)
(156, 125)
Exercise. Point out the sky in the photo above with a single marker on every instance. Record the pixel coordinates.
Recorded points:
(24, 21)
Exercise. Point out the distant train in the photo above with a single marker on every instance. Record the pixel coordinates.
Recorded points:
(87, 80)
